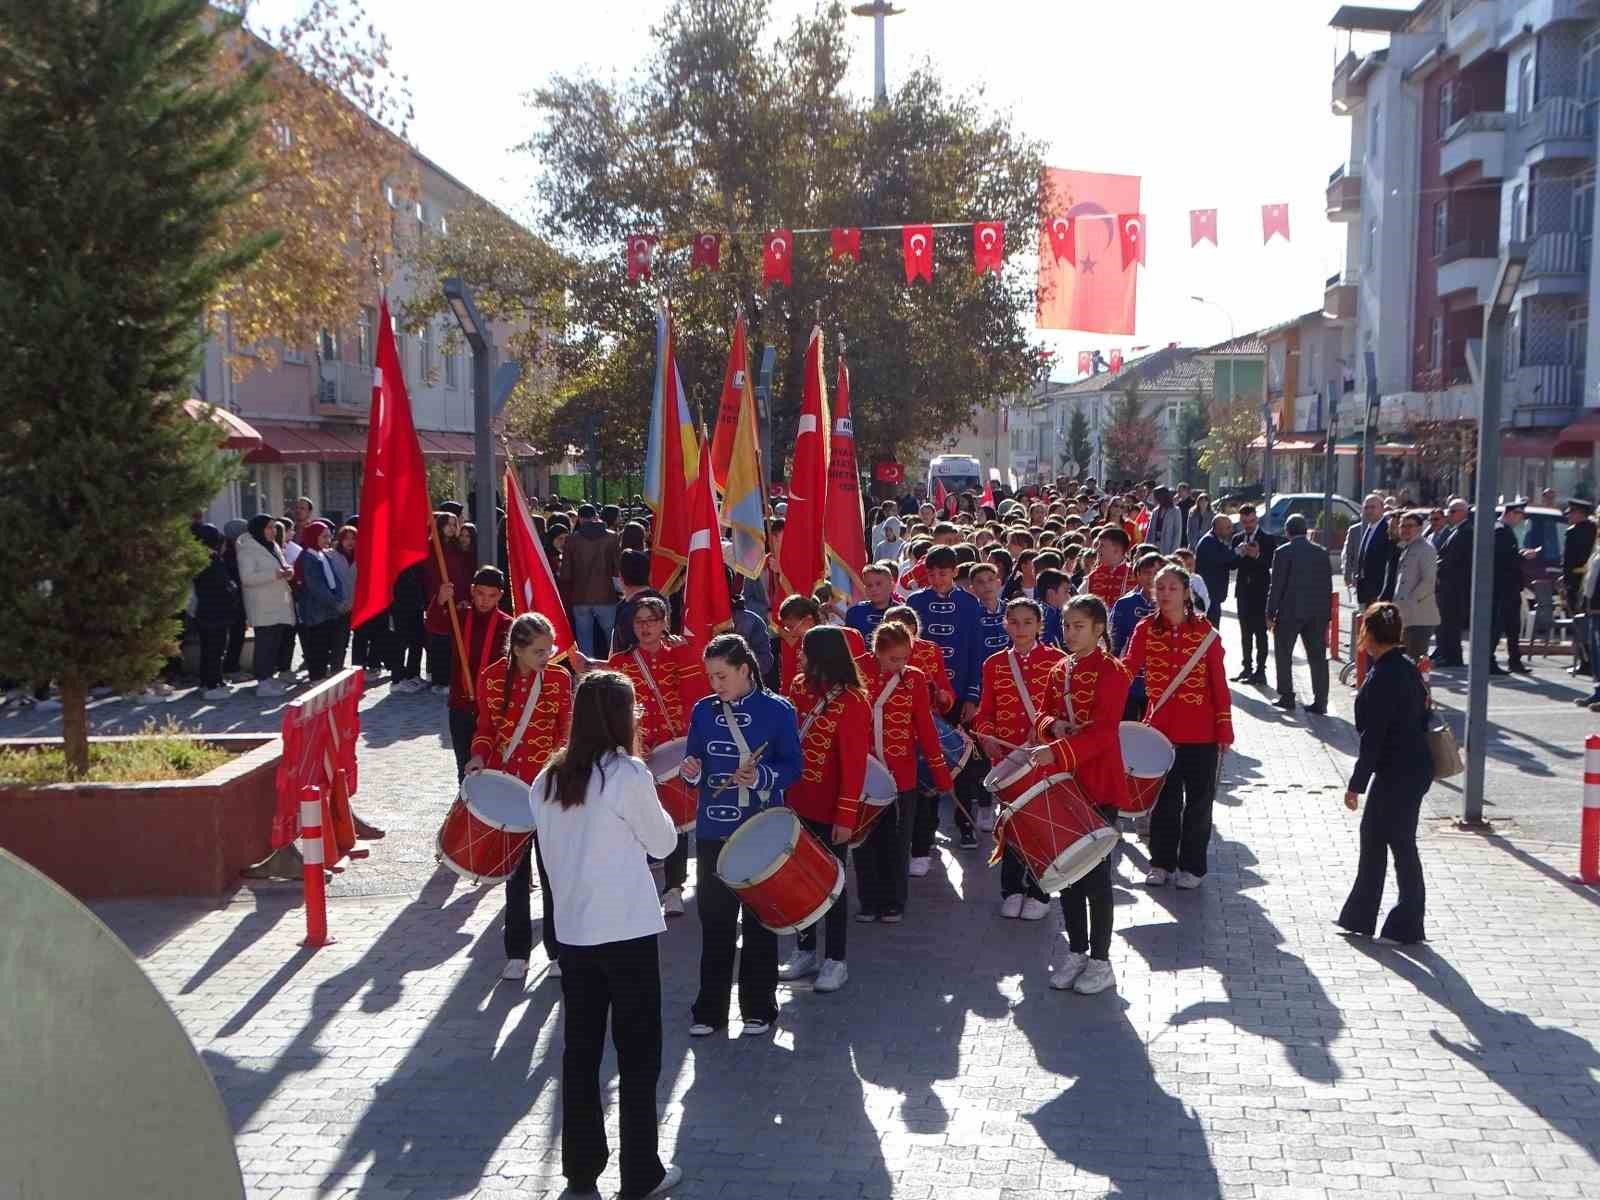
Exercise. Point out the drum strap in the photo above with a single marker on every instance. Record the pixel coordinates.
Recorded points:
(1022, 692)
(528, 706)
(655, 690)
(878, 706)
(1199, 653)
(737, 735)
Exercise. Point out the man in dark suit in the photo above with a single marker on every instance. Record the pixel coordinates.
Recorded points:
(1299, 605)
(1575, 551)
(1506, 609)
(1254, 546)
(1213, 559)
(1373, 550)
(1454, 583)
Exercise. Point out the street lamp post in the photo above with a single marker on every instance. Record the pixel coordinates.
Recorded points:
(878, 10)
(1512, 263)
(476, 330)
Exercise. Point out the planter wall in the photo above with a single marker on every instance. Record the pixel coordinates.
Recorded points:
(187, 838)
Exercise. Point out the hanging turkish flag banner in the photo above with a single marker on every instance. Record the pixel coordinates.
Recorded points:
(1130, 229)
(1088, 292)
(988, 246)
(1202, 226)
(917, 242)
(1116, 362)
(846, 244)
(1063, 239)
(777, 258)
(1274, 219)
(707, 251)
(641, 249)
(1085, 362)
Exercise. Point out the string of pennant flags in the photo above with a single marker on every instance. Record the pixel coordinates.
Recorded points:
(916, 243)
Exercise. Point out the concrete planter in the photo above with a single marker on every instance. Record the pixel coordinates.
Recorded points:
(189, 837)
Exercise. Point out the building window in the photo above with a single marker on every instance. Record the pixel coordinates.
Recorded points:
(1525, 85)
(252, 492)
(1436, 344)
(328, 346)
(1447, 107)
(1513, 344)
(1578, 335)
(364, 326)
(1441, 226)
(450, 368)
(1583, 213)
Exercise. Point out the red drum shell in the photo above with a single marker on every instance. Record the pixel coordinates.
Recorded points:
(878, 793)
(1057, 832)
(680, 801)
(487, 828)
(1147, 756)
(1013, 775)
(781, 870)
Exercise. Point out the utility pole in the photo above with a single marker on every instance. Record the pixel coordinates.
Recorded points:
(878, 10)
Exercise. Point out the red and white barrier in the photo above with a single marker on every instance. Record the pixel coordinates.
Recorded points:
(312, 813)
(1589, 834)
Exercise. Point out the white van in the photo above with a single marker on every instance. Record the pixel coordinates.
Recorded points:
(956, 473)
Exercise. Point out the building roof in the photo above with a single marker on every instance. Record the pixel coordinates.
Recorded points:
(1284, 326)
(1370, 19)
(1178, 369)
(1245, 345)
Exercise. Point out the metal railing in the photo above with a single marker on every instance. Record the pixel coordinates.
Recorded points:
(1545, 385)
(1563, 119)
(1478, 122)
(1558, 254)
(347, 385)
(1470, 247)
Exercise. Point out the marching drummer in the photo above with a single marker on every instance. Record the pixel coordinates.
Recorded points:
(1014, 684)
(835, 725)
(668, 678)
(902, 723)
(796, 615)
(743, 752)
(1082, 709)
(524, 715)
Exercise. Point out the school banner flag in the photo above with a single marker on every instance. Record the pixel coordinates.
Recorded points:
(736, 461)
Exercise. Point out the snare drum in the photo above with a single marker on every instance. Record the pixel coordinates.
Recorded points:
(1056, 831)
(781, 870)
(957, 747)
(1013, 775)
(877, 794)
(487, 828)
(677, 797)
(1147, 756)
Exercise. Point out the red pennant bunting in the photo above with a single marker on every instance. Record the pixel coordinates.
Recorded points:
(1274, 219)
(988, 245)
(707, 251)
(1116, 362)
(641, 249)
(1130, 230)
(917, 243)
(777, 258)
(846, 244)
(1085, 362)
(1202, 226)
(1063, 233)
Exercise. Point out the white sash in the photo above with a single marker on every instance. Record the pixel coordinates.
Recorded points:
(527, 714)
(655, 690)
(877, 715)
(817, 710)
(1066, 689)
(737, 735)
(1199, 652)
(1022, 691)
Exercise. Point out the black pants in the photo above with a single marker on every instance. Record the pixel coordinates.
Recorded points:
(837, 921)
(720, 925)
(405, 643)
(1180, 825)
(286, 647)
(1253, 631)
(463, 722)
(1313, 637)
(235, 648)
(1389, 824)
(621, 980)
(881, 859)
(268, 650)
(340, 643)
(675, 867)
(1015, 877)
(519, 909)
(319, 641)
(1507, 623)
(1087, 907)
(441, 659)
(1447, 642)
(369, 644)
(213, 644)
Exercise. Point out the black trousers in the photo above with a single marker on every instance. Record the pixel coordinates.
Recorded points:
(1313, 637)
(622, 981)
(369, 643)
(441, 659)
(675, 867)
(1389, 825)
(267, 653)
(235, 649)
(881, 860)
(1015, 877)
(320, 641)
(1214, 615)
(1447, 641)
(286, 647)
(1087, 906)
(1180, 825)
(463, 721)
(519, 909)
(1507, 623)
(406, 642)
(721, 914)
(1253, 630)
(837, 921)
(341, 643)
(213, 645)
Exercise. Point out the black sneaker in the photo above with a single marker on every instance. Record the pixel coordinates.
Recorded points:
(969, 839)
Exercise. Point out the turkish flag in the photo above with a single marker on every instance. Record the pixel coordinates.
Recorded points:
(801, 560)
(641, 249)
(1063, 232)
(917, 242)
(1130, 229)
(1202, 226)
(1093, 295)
(707, 251)
(1085, 362)
(938, 493)
(1116, 362)
(533, 583)
(396, 514)
(844, 538)
(988, 245)
(987, 499)
(707, 610)
(777, 258)
(1274, 219)
(846, 244)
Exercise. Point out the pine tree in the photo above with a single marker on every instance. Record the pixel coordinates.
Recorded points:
(1079, 448)
(118, 160)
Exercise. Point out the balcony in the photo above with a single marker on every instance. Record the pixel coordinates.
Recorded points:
(1476, 140)
(344, 388)
(1546, 394)
(1559, 129)
(1469, 32)
(1349, 83)
(1340, 295)
(1344, 193)
(1468, 265)
(1558, 265)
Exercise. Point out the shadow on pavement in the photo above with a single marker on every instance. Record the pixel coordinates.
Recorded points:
(270, 908)
(1555, 874)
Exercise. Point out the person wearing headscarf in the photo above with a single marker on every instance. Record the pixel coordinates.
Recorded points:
(342, 556)
(211, 612)
(234, 649)
(317, 598)
(268, 603)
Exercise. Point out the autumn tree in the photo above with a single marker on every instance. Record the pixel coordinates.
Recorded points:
(1079, 448)
(1229, 447)
(1130, 437)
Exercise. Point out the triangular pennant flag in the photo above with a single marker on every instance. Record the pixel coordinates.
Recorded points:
(1202, 226)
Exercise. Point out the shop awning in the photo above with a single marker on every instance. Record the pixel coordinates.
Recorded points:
(308, 443)
(237, 433)
(1541, 444)
(1577, 440)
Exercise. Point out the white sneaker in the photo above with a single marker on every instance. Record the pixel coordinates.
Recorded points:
(800, 964)
(670, 1180)
(1011, 906)
(216, 693)
(1156, 878)
(672, 902)
(919, 867)
(986, 819)
(701, 1029)
(1070, 970)
(515, 969)
(1187, 881)
(1034, 910)
(832, 976)
(1096, 977)
(755, 1028)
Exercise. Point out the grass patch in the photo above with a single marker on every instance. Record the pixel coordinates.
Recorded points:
(160, 754)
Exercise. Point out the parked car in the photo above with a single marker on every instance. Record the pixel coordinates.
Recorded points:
(1309, 506)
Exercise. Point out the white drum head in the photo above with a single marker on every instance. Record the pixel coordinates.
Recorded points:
(1146, 752)
(879, 788)
(498, 800)
(1018, 762)
(757, 846)
(666, 760)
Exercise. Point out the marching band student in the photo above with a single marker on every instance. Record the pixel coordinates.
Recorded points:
(743, 751)
(796, 615)
(835, 728)
(1014, 686)
(1189, 702)
(668, 678)
(984, 583)
(1083, 707)
(1111, 577)
(484, 627)
(1126, 614)
(1053, 590)
(863, 616)
(524, 711)
(902, 723)
(949, 618)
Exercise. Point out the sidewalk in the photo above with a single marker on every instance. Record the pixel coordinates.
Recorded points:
(1248, 1050)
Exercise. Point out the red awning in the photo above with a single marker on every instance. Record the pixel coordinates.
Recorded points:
(1528, 445)
(1577, 440)
(308, 443)
(237, 433)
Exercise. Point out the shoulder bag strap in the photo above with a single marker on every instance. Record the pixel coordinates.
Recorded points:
(1199, 653)
(818, 709)
(1066, 689)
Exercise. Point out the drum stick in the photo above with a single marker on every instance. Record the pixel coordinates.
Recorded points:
(755, 757)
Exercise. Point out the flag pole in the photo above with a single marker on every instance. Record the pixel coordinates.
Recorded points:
(455, 618)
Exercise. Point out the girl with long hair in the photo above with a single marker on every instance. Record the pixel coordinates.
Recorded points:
(597, 820)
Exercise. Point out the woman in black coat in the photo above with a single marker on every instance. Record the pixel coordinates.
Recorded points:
(1392, 719)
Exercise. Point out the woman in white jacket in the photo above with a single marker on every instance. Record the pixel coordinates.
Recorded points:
(268, 603)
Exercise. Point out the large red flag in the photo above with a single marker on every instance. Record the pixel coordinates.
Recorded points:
(1093, 293)
(707, 610)
(395, 513)
(671, 461)
(843, 529)
(734, 379)
(938, 494)
(533, 583)
(801, 564)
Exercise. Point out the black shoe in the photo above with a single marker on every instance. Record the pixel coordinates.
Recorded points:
(1284, 702)
(1259, 677)
(969, 839)
(1521, 669)
(1244, 675)
(1317, 710)
(1495, 670)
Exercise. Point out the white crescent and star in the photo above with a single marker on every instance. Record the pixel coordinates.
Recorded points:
(918, 243)
(1132, 227)
(779, 246)
(1062, 227)
(987, 236)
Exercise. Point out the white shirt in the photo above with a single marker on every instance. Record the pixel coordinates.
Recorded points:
(1197, 588)
(291, 551)
(594, 853)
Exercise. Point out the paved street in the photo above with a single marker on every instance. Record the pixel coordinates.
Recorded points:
(1248, 1051)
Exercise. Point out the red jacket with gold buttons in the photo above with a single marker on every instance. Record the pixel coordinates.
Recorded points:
(666, 684)
(1201, 710)
(834, 752)
(499, 715)
(907, 725)
(1001, 713)
(789, 654)
(1109, 583)
(1098, 685)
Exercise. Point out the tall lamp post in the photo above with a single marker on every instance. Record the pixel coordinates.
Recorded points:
(476, 330)
(878, 10)
(1512, 263)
